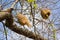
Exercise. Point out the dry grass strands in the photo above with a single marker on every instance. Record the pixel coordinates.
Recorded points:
(23, 20)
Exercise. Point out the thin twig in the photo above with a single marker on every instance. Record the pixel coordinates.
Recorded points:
(5, 31)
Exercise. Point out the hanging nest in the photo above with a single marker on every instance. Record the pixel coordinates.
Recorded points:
(45, 13)
(23, 20)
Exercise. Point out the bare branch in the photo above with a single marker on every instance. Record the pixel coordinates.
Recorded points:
(14, 3)
(26, 33)
(3, 15)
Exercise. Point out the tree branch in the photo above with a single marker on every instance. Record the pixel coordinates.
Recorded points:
(26, 33)
(18, 30)
(3, 15)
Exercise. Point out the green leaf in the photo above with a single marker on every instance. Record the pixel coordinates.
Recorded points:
(35, 5)
(54, 34)
(52, 25)
(30, 1)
